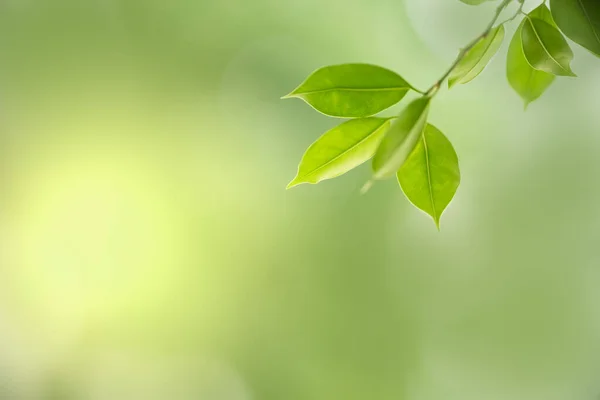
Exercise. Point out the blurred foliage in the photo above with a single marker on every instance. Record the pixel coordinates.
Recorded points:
(148, 249)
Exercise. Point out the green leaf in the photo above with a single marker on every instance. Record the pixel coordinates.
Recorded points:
(543, 12)
(341, 149)
(431, 174)
(475, 2)
(352, 90)
(580, 21)
(401, 139)
(545, 48)
(478, 58)
(528, 82)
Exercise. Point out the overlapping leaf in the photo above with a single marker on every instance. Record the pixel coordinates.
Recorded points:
(401, 139)
(430, 176)
(580, 21)
(352, 90)
(341, 149)
(478, 58)
(545, 48)
(528, 82)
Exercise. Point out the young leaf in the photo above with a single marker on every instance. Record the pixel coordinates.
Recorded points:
(478, 58)
(580, 21)
(431, 175)
(528, 82)
(352, 90)
(341, 149)
(400, 139)
(545, 48)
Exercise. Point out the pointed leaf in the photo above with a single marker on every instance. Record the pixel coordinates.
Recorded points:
(580, 21)
(352, 90)
(478, 58)
(431, 174)
(401, 139)
(341, 149)
(528, 82)
(545, 48)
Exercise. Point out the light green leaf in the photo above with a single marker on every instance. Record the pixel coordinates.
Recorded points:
(475, 2)
(543, 12)
(341, 149)
(545, 48)
(401, 139)
(430, 176)
(352, 90)
(528, 82)
(478, 58)
(580, 21)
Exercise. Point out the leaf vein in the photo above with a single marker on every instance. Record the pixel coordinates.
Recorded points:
(435, 217)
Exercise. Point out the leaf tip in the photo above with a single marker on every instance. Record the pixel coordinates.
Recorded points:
(288, 96)
(295, 182)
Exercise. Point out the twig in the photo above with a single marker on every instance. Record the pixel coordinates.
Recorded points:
(464, 51)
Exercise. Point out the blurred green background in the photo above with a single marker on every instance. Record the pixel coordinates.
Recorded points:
(148, 249)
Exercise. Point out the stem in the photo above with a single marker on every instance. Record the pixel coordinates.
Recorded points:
(464, 51)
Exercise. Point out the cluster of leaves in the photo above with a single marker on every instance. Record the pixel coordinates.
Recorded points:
(406, 145)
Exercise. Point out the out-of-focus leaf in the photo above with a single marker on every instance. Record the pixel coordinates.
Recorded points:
(545, 48)
(478, 58)
(475, 2)
(401, 139)
(528, 82)
(580, 21)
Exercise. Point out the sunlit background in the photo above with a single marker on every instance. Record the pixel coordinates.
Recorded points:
(149, 250)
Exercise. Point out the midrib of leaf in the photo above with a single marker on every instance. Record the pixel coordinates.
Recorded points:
(429, 179)
(320, 167)
(544, 46)
(587, 16)
(384, 89)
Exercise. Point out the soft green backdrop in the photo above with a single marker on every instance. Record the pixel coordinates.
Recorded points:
(148, 249)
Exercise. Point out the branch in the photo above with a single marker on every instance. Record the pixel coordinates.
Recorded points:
(464, 51)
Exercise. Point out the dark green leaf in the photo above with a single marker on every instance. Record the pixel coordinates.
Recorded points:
(341, 149)
(400, 139)
(580, 21)
(478, 58)
(545, 48)
(430, 176)
(352, 90)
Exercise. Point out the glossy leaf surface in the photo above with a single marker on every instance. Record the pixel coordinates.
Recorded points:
(341, 149)
(431, 175)
(352, 90)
